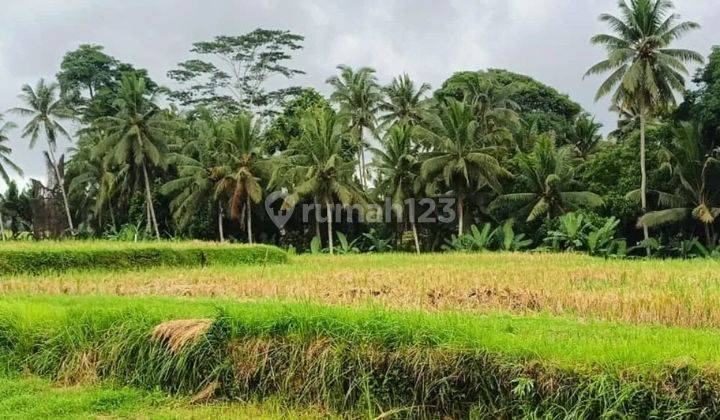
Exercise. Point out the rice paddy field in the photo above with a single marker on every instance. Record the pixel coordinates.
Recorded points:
(240, 331)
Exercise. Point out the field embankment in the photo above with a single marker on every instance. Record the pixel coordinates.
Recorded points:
(57, 257)
(365, 361)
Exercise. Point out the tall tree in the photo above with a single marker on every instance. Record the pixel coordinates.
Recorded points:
(403, 102)
(95, 184)
(5, 163)
(398, 169)
(137, 135)
(358, 94)
(239, 173)
(536, 102)
(696, 176)
(89, 80)
(233, 76)
(645, 70)
(199, 165)
(459, 159)
(316, 166)
(46, 111)
(547, 183)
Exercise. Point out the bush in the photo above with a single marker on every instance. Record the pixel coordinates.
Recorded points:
(61, 257)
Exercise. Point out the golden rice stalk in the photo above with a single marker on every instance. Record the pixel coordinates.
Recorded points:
(177, 333)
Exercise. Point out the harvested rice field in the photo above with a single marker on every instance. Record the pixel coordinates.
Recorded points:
(482, 335)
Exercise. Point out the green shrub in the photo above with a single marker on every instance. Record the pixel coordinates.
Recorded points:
(53, 257)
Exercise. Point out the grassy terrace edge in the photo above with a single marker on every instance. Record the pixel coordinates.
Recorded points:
(52, 256)
(366, 359)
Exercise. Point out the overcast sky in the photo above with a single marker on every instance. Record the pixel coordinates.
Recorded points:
(429, 39)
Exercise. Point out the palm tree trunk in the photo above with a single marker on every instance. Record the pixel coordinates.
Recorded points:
(2, 228)
(61, 183)
(317, 219)
(643, 177)
(461, 214)
(112, 217)
(221, 214)
(148, 198)
(708, 236)
(415, 236)
(248, 206)
(361, 157)
(329, 224)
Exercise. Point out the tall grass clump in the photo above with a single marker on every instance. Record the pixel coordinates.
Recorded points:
(349, 361)
(61, 257)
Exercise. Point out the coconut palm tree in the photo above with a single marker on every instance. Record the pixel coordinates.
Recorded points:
(93, 182)
(46, 111)
(645, 70)
(358, 94)
(696, 174)
(584, 135)
(403, 102)
(459, 159)
(316, 167)
(199, 166)
(546, 177)
(137, 135)
(6, 162)
(239, 171)
(398, 169)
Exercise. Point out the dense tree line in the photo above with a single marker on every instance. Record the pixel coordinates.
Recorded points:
(512, 152)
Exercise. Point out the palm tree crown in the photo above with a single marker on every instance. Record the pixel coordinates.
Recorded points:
(459, 159)
(547, 175)
(696, 175)
(5, 151)
(644, 68)
(404, 102)
(358, 94)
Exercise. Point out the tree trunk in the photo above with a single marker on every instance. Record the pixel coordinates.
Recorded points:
(112, 217)
(643, 177)
(361, 157)
(248, 206)
(415, 236)
(221, 214)
(461, 212)
(2, 228)
(329, 228)
(61, 183)
(708, 236)
(148, 198)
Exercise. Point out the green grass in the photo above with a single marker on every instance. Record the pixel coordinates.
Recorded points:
(51, 256)
(565, 342)
(29, 397)
(351, 359)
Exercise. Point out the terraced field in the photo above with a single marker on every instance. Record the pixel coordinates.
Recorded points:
(395, 335)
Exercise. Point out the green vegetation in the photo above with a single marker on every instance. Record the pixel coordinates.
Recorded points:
(501, 147)
(543, 304)
(364, 359)
(56, 257)
(32, 397)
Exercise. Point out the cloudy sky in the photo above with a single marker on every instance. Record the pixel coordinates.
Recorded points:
(429, 39)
